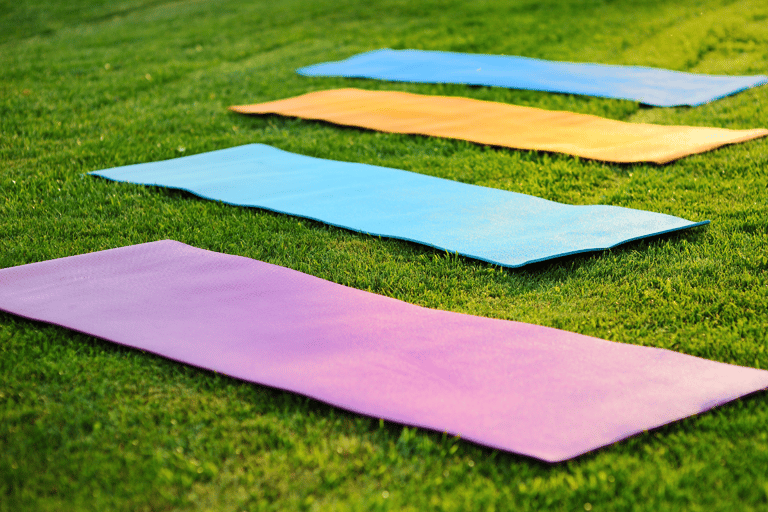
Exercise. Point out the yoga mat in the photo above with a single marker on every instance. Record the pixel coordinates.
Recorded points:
(497, 226)
(500, 124)
(652, 86)
(532, 390)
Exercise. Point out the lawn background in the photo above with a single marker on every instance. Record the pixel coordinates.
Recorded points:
(86, 85)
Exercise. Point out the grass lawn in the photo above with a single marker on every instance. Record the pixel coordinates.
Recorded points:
(86, 85)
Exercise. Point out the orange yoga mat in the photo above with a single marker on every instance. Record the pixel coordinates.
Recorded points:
(500, 124)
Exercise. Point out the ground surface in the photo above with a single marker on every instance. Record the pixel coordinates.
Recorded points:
(85, 85)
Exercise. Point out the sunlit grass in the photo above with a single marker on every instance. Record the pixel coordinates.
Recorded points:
(86, 85)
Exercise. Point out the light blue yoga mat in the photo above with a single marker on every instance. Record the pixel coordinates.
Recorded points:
(497, 226)
(652, 86)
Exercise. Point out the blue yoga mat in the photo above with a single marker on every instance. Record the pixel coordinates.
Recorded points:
(497, 226)
(652, 86)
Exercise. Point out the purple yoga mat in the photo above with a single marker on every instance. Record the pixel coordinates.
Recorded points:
(532, 390)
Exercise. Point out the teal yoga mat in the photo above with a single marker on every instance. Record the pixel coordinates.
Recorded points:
(497, 226)
(652, 86)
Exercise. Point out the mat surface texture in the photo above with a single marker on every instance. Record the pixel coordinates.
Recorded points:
(651, 86)
(497, 226)
(500, 124)
(532, 390)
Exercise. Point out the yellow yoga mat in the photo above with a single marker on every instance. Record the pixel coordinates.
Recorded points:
(500, 124)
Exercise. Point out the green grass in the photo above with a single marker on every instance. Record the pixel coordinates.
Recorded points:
(86, 85)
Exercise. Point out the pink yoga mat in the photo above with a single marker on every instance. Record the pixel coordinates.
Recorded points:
(532, 390)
